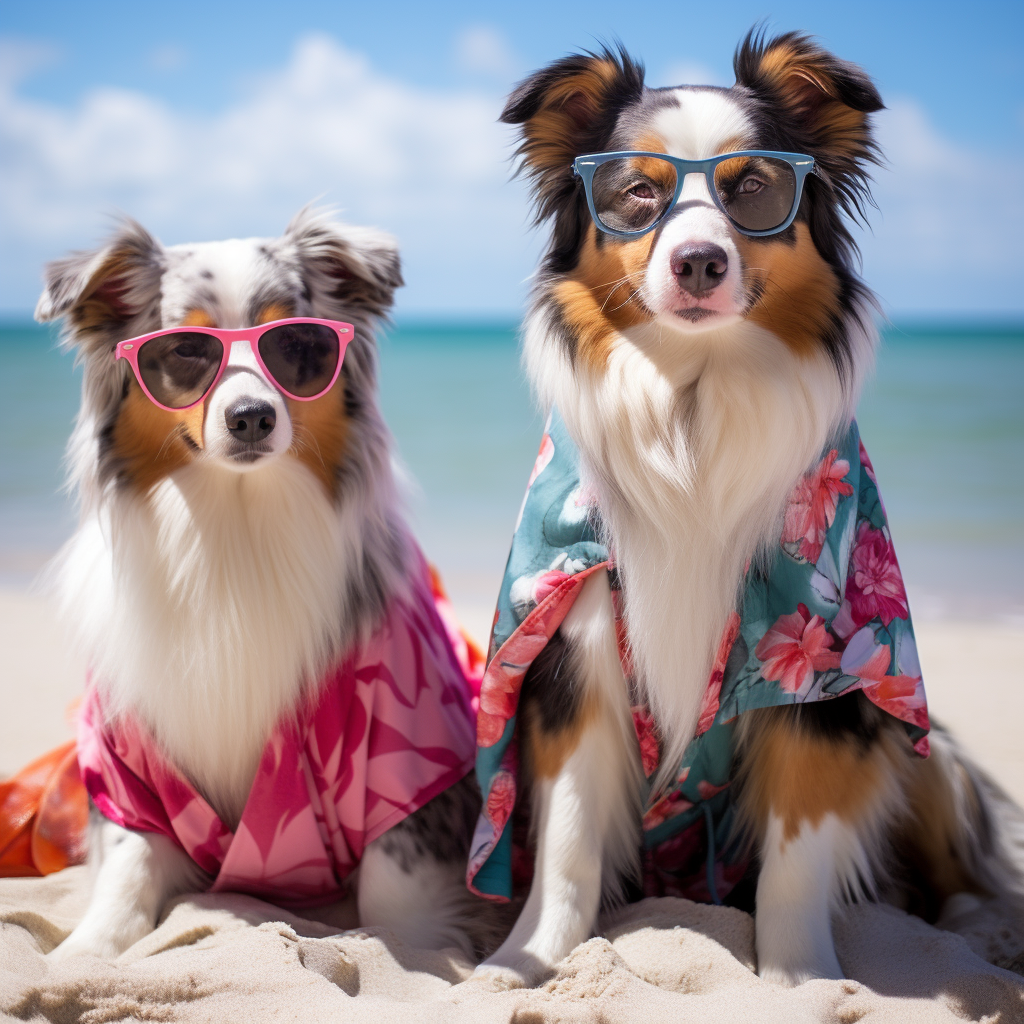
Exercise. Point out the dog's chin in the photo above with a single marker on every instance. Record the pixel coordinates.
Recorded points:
(695, 315)
(243, 458)
(695, 319)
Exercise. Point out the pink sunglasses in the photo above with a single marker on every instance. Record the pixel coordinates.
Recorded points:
(179, 367)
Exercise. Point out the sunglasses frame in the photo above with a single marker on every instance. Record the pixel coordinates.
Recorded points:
(585, 166)
(129, 349)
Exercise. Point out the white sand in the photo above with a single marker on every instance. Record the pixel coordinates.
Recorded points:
(233, 958)
(230, 957)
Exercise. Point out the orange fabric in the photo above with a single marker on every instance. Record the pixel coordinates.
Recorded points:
(471, 657)
(44, 811)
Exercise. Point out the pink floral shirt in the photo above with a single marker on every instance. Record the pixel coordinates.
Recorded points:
(389, 728)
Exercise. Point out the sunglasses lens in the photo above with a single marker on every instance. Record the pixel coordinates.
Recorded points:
(633, 193)
(179, 368)
(757, 191)
(302, 358)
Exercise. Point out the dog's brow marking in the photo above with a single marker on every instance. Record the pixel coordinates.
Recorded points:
(198, 318)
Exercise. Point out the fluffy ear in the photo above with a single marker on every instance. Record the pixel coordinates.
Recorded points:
(824, 101)
(109, 293)
(347, 269)
(567, 109)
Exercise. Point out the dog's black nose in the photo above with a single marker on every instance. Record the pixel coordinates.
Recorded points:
(249, 420)
(699, 267)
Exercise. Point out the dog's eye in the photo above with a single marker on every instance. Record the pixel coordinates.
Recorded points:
(750, 186)
(642, 191)
(190, 350)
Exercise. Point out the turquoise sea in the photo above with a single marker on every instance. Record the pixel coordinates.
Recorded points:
(943, 420)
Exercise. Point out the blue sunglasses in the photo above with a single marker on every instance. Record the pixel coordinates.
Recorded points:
(631, 193)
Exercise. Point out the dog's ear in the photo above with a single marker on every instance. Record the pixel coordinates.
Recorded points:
(346, 269)
(568, 109)
(824, 101)
(109, 293)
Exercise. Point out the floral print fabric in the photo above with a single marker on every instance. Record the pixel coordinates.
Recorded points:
(828, 616)
(389, 728)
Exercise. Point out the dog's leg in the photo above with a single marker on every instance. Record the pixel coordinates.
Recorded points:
(819, 784)
(412, 880)
(134, 874)
(581, 751)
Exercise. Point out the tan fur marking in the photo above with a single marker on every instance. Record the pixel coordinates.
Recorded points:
(733, 144)
(198, 318)
(149, 439)
(801, 777)
(547, 752)
(804, 85)
(274, 311)
(600, 298)
(649, 142)
(320, 432)
(800, 290)
(97, 309)
(549, 129)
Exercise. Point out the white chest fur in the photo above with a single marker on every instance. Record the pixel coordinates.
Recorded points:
(692, 445)
(206, 608)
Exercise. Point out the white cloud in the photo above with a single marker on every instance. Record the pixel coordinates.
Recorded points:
(429, 165)
(481, 49)
(20, 58)
(947, 232)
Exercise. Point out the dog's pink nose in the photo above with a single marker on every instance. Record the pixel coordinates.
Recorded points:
(699, 267)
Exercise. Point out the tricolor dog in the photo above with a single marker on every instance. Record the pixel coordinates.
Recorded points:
(275, 705)
(703, 675)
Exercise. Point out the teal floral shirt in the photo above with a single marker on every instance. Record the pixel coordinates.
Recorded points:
(828, 616)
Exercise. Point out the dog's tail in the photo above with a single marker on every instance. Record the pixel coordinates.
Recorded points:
(965, 835)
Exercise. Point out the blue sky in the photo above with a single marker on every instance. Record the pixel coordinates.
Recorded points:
(210, 120)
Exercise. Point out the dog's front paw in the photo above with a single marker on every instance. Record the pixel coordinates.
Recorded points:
(519, 969)
(789, 975)
(497, 979)
(91, 938)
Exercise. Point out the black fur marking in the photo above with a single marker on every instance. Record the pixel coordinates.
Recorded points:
(189, 443)
(550, 688)
(557, 191)
(849, 718)
(206, 275)
(354, 402)
(441, 829)
(110, 467)
(559, 328)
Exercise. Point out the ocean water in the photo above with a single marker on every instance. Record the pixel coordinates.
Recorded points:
(943, 419)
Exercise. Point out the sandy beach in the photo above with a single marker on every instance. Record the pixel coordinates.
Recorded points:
(218, 957)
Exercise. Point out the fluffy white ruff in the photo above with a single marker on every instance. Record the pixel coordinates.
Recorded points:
(692, 444)
(209, 605)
